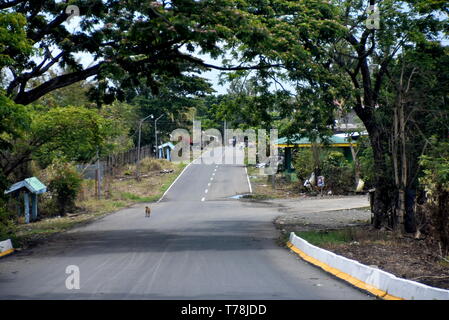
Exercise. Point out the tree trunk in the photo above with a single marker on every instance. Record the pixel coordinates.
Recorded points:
(385, 194)
(442, 218)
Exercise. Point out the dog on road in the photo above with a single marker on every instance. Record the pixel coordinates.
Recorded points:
(147, 212)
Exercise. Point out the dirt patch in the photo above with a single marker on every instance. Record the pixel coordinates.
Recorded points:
(263, 185)
(304, 221)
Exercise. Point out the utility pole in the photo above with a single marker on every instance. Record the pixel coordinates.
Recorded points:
(225, 142)
(138, 146)
(155, 132)
(98, 176)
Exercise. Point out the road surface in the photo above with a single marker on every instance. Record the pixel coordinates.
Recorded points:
(198, 244)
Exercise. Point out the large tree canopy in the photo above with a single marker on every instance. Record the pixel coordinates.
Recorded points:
(129, 42)
(337, 62)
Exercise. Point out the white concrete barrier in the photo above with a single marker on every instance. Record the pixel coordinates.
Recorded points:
(6, 247)
(378, 282)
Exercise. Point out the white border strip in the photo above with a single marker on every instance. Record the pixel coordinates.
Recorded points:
(249, 182)
(379, 279)
(174, 181)
(6, 247)
(201, 155)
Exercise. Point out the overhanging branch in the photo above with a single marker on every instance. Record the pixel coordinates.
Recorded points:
(56, 83)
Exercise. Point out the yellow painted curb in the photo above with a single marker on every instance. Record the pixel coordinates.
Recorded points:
(4, 253)
(344, 276)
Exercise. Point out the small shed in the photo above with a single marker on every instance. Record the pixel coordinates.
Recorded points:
(343, 142)
(30, 186)
(165, 150)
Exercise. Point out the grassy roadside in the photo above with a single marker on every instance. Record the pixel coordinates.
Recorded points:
(122, 193)
(328, 237)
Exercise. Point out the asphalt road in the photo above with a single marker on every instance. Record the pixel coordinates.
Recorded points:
(198, 244)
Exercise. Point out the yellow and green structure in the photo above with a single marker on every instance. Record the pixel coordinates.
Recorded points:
(340, 142)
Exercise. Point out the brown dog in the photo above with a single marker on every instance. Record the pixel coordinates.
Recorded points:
(147, 212)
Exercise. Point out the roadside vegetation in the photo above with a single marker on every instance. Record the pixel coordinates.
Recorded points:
(341, 175)
(404, 257)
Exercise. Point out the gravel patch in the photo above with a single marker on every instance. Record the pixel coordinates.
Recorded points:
(334, 219)
(318, 213)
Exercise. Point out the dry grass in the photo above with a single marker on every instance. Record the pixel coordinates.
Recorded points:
(126, 188)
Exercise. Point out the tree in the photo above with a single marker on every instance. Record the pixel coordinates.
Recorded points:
(326, 47)
(130, 42)
(65, 183)
(417, 92)
(70, 133)
(177, 100)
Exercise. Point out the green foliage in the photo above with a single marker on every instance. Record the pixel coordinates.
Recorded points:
(134, 197)
(303, 163)
(73, 95)
(435, 166)
(72, 133)
(64, 184)
(7, 225)
(251, 104)
(328, 237)
(119, 120)
(132, 43)
(335, 159)
(367, 170)
(436, 182)
(338, 173)
(13, 38)
(178, 101)
(13, 121)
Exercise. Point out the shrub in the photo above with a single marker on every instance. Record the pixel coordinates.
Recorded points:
(64, 185)
(338, 173)
(303, 163)
(150, 164)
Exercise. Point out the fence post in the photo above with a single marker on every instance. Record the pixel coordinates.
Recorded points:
(98, 177)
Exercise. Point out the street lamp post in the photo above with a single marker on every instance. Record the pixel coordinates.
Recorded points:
(155, 134)
(138, 145)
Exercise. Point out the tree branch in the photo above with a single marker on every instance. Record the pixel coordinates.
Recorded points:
(237, 68)
(56, 83)
(56, 22)
(9, 4)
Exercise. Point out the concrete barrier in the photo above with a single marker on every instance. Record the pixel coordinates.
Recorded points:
(380, 283)
(6, 247)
